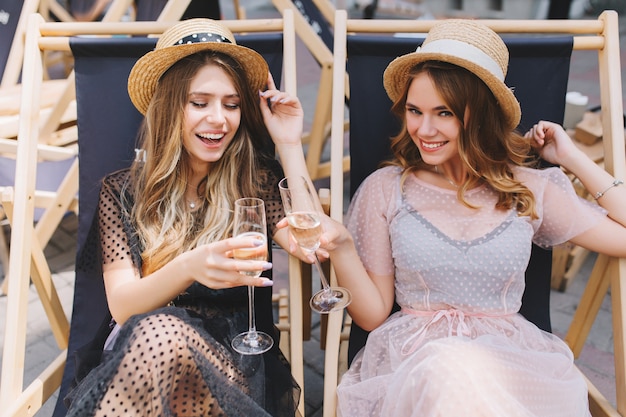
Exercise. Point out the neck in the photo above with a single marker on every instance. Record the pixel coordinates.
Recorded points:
(450, 180)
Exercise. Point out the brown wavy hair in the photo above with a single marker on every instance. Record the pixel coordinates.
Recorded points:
(165, 225)
(487, 148)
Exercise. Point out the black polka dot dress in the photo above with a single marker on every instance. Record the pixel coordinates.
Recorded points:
(177, 360)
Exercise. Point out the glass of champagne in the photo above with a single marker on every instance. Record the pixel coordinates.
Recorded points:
(250, 221)
(305, 225)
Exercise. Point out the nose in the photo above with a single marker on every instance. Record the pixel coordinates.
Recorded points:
(426, 127)
(215, 113)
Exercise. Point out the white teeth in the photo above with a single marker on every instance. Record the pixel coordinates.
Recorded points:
(211, 136)
(433, 145)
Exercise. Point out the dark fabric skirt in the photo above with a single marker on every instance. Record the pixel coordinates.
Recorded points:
(177, 361)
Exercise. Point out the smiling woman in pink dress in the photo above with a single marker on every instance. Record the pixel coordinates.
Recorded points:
(445, 229)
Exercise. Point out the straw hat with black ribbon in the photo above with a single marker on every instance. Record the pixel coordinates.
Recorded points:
(465, 43)
(183, 39)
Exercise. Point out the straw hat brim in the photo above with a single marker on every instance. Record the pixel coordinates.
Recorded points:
(397, 73)
(147, 71)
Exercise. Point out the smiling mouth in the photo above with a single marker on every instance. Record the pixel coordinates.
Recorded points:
(210, 137)
(433, 145)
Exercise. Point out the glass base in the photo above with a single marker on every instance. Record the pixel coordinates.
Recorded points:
(333, 299)
(252, 343)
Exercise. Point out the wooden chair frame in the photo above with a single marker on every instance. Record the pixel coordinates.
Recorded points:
(26, 257)
(319, 133)
(601, 35)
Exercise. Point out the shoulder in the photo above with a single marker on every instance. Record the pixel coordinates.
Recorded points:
(382, 183)
(117, 184)
(382, 177)
(117, 177)
(541, 178)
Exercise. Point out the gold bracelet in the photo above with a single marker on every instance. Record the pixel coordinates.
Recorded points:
(615, 183)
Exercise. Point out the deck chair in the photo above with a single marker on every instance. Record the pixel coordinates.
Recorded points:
(89, 305)
(57, 121)
(314, 28)
(545, 61)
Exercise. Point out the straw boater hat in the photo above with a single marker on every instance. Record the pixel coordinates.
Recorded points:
(465, 43)
(183, 39)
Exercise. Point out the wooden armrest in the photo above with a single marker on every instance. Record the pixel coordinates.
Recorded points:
(324, 196)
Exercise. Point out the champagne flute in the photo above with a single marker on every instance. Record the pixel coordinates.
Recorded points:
(250, 221)
(305, 225)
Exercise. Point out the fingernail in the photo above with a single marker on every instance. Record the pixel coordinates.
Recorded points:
(259, 242)
(267, 283)
(267, 265)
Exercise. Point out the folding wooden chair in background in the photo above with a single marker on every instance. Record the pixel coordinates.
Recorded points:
(57, 128)
(89, 305)
(314, 28)
(538, 70)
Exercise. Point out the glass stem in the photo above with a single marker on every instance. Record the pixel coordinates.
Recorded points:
(323, 279)
(251, 316)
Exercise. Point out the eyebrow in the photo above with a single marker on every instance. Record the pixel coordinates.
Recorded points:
(442, 107)
(201, 94)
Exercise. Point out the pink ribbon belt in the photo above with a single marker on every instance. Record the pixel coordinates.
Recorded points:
(461, 328)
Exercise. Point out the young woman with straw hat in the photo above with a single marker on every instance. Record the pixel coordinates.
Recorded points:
(176, 294)
(445, 230)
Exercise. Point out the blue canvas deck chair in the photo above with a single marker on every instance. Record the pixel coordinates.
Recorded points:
(538, 69)
(104, 147)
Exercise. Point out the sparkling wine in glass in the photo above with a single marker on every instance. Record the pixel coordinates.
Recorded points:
(305, 225)
(250, 221)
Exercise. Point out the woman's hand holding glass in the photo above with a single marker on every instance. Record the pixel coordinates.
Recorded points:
(305, 225)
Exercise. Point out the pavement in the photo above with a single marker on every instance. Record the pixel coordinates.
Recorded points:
(596, 359)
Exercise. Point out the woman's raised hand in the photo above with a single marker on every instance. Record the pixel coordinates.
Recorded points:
(282, 113)
(552, 142)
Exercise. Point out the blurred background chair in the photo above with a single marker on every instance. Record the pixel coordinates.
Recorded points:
(538, 69)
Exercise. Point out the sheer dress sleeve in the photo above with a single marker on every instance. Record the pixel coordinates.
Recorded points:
(368, 218)
(116, 237)
(562, 213)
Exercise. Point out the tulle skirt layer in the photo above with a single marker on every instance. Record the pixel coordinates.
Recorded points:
(450, 364)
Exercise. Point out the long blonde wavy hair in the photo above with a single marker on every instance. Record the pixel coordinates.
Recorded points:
(165, 225)
(487, 147)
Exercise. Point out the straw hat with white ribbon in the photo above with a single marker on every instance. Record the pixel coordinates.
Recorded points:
(465, 43)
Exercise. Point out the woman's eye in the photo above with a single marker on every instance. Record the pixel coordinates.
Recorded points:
(198, 104)
(413, 110)
(446, 113)
(232, 106)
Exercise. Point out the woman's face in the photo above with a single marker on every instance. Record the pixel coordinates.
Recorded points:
(430, 123)
(211, 118)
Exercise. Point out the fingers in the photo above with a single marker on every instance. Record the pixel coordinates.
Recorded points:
(234, 262)
(276, 96)
(271, 85)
